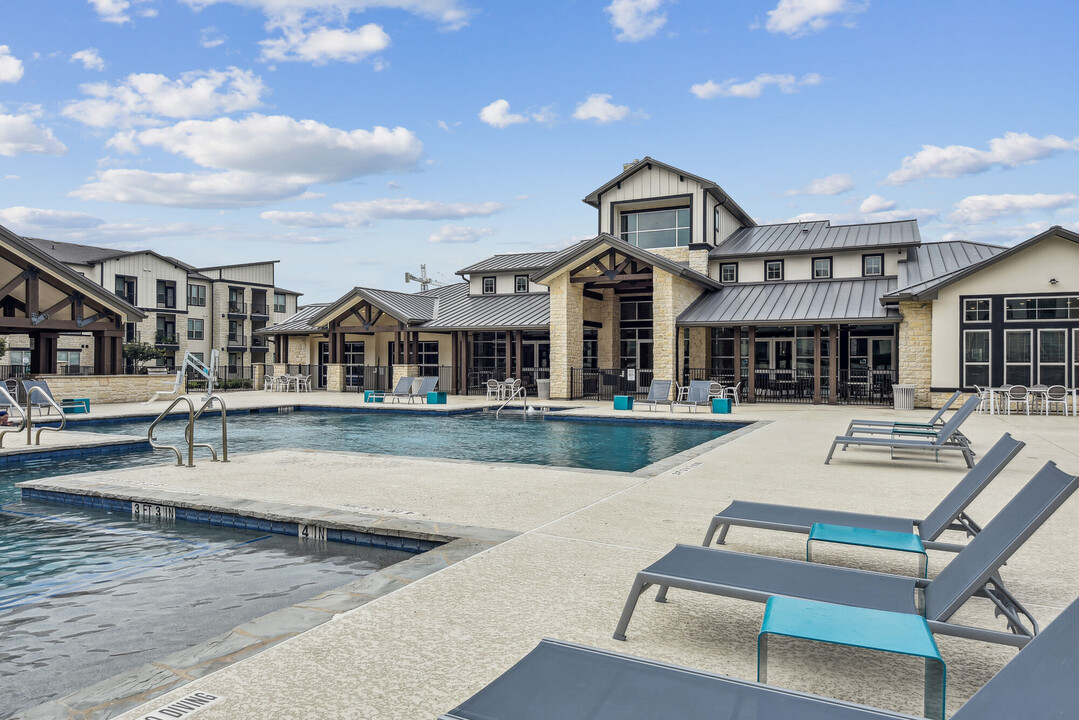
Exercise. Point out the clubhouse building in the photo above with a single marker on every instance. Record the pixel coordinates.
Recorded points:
(680, 283)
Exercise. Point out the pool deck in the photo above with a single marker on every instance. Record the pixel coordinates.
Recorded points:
(576, 538)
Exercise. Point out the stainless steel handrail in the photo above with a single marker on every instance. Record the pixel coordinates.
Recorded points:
(12, 404)
(189, 432)
(29, 420)
(519, 391)
(190, 423)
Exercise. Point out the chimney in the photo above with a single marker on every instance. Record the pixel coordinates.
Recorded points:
(627, 166)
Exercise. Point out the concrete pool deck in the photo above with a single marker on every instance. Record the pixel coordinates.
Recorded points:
(425, 647)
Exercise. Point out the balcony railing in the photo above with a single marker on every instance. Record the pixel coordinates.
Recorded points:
(260, 341)
(237, 340)
(260, 309)
(165, 338)
(127, 297)
(237, 307)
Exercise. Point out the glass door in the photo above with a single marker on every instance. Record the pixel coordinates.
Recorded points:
(1052, 357)
(323, 361)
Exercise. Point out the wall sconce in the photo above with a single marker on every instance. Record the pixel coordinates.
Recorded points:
(1054, 281)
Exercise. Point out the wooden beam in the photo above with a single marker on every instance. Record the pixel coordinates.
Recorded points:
(21, 324)
(32, 290)
(12, 284)
(608, 281)
(44, 315)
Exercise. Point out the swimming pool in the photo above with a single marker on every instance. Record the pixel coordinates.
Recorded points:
(557, 440)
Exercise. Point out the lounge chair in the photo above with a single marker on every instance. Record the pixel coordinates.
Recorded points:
(427, 385)
(973, 571)
(573, 682)
(659, 393)
(403, 389)
(950, 514)
(41, 404)
(947, 437)
(886, 426)
(697, 394)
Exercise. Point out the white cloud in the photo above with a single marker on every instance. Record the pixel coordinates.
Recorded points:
(498, 115)
(116, 11)
(801, 17)
(994, 234)
(753, 88)
(1011, 150)
(20, 217)
(977, 209)
(189, 190)
(320, 45)
(20, 134)
(146, 98)
(9, 177)
(89, 58)
(451, 14)
(362, 213)
(211, 37)
(830, 185)
(600, 109)
(921, 214)
(635, 19)
(876, 204)
(10, 66)
(459, 234)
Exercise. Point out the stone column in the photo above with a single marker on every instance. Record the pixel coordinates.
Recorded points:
(258, 375)
(608, 355)
(567, 333)
(335, 377)
(670, 296)
(698, 347)
(916, 349)
(401, 371)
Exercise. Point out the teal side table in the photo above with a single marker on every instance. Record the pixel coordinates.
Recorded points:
(436, 398)
(721, 406)
(880, 539)
(623, 402)
(900, 633)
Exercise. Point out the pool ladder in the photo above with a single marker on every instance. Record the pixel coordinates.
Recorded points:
(519, 392)
(26, 421)
(189, 430)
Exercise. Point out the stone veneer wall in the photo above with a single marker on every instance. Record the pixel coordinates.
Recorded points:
(107, 388)
(698, 347)
(916, 350)
(670, 296)
(567, 336)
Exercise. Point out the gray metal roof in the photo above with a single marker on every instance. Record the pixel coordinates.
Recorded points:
(406, 307)
(937, 259)
(298, 324)
(510, 261)
(74, 253)
(808, 237)
(457, 310)
(808, 301)
(927, 289)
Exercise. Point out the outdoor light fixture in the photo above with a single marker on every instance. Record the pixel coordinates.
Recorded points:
(1054, 281)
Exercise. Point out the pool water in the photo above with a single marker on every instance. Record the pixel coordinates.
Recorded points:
(562, 442)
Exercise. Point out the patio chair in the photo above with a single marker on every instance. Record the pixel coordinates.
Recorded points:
(268, 382)
(695, 396)
(1017, 395)
(41, 404)
(574, 682)
(303, 383)
(494, 389)
(933, 422)
(734, 393)
(1056, 395)
(427, 384)
(947, 437)
(973, 571)
(659, 393)
(402, 389)
(985, 394)
(715, 390)
(950, 514)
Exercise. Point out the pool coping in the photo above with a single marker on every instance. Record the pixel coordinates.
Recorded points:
(129, 689)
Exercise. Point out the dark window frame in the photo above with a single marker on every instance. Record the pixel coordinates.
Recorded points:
(494, 285)
(283, 307)
(163, 288)
(516, 280)
(813, 267)
(194, 297)
(722, 266)
(879, 256)
(782, 271)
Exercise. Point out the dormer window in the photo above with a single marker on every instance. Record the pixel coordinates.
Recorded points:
(656, 228)
(488, 286)
(872, 265)
(773, 270)
(822, 268)
(728, 272)
(520, 283)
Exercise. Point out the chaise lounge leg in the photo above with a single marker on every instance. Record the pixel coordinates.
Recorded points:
(830, 451)
(716, 524)
(639, 586)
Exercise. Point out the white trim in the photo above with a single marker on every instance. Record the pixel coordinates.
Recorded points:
(988, 362)
(985, 300)
(1029, 364)
(1063, 364)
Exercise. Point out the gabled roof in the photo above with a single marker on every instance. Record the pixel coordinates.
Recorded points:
(457, 310)
(77, 254)
(298, 324)
(815, 236)
(927, 290)
(287, 292)
(807, 301)
(711, 187)
(510, 261)
(575, 253)
(936, 259)
(47, 262)
(409, 308)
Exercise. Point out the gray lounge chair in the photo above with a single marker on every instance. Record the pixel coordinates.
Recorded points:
(950, 514)
(659, 393)
(698, 393)
(573, 682)
(973, 571)
(403, 389)
(947, 438)
(427, 385)
(885, 426)
(39, 403)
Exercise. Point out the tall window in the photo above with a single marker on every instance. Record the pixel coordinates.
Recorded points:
(1052, 357)
(236, 300)
(656, 228)
(724, 354)
(976, 358)
(488, 286)
(822, 268)
(773, 270)
(728, 272)
(125, 288)
(196, 295)
(166, 294)
(520, 284)
(590, 355)
(68, 357)
(1017, 357)
(166, 330)
(19, 357)
(872, 265)
(194, 329)
(279, 302)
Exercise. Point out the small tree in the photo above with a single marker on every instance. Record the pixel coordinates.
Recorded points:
(141, 353)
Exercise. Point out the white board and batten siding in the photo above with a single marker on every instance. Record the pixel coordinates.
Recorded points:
(252, 274)
(147, 269)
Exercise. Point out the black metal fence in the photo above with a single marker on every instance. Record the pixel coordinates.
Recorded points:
(605, 383)
(477, 378)
(14, 371)
(227, 377)
(853, 387)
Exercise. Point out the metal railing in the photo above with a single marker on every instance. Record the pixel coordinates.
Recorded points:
(236, 340)
(853, 387)
(163, 338)
(30, 420)
(517, 392)
(13, 404)
(14, 371)
(237, 307)
(74, 369)
(189, 430)
(605, 383)
(476, 378)
(260, 309)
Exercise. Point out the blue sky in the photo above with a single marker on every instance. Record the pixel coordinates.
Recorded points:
(355, 139)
